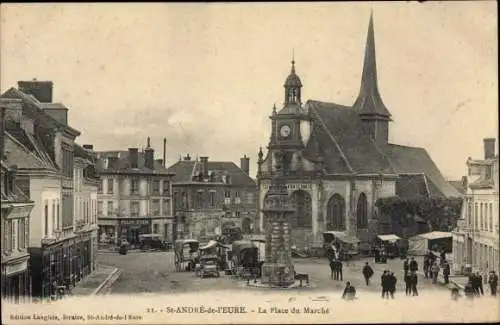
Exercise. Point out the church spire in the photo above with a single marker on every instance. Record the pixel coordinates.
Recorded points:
(369, 102)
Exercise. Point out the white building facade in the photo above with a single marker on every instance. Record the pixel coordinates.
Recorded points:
(476, 239)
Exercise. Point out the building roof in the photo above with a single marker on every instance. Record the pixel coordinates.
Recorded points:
(29, 156)
(293, 79)
(412, 185)
(185, 170)
(435, 235)
(14, 196)
(459, 186)
(37, 108)
(122, 164)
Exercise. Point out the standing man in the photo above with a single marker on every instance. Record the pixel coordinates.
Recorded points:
(414, 281)
(367, 273)
(407, 279)
(339, 268)
(434, 272)
(480, 283)
(385, 284)
(413, 265)
(443, 257)
(333, 269)
(446, 272)
(406, 267)
(493, 282)
(392, 284)
(426, 266)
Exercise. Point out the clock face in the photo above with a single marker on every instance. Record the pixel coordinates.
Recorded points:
(285, 131)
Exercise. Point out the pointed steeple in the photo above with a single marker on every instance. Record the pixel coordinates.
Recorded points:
(369, 103)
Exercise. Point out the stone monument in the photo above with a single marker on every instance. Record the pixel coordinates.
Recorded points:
(277, 269)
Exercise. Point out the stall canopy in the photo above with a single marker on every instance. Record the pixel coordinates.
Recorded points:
(421, 244)
(342, 236)
(389, 238)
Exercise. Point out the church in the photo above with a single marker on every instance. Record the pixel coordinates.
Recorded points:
(337, 160)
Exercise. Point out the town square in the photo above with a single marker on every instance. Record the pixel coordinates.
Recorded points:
(342, 151)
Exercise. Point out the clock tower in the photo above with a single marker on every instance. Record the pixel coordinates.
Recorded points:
(286, 138)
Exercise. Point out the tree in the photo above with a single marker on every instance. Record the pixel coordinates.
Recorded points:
(441, 214)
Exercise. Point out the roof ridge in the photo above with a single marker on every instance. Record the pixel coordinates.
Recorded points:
(39, 151)
(333, 139)
(427, 185)
(405, 146)
(23, 147)
(384, 155)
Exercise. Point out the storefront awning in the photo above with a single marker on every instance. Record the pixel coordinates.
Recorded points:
(389, 238)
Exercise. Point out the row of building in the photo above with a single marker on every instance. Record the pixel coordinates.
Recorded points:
(476, 243)
(61, 200)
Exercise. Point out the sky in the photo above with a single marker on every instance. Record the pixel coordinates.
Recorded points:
(206, 76)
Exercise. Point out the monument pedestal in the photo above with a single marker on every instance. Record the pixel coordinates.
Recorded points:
(278, 274)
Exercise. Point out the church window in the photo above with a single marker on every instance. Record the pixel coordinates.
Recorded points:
(336, 213)
(362, 211)
(303, 214)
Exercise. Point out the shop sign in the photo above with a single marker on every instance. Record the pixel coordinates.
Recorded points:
(105, 222)
(135, 222)
(16, 268)
(293, 186)
(20, 212)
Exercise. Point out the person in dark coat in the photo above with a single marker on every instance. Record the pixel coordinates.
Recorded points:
(333, 269)
(446, 272)
(413, 265)
(339, 270)
(426, 266)
(469, 290)
(384, 281)
(407, 284)
(392, 284)
(479, 279)
(414, 282)
(367, 273)
(406, 267)
(349, 292)
(493, 282)
(443, 257)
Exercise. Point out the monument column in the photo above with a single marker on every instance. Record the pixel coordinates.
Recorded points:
(277, 269)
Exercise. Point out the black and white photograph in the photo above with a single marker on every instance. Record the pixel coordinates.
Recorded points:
(249, 163)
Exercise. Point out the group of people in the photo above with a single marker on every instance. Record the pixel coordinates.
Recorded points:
(474, 287)
(336, 269)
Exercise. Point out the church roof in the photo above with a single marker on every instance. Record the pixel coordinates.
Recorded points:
(337, 136)
(345, 149)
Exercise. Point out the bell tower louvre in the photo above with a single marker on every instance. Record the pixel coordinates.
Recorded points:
(371, 109)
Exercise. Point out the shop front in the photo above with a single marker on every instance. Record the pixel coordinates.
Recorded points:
(130, 229)
(16, 282)
(63, 263)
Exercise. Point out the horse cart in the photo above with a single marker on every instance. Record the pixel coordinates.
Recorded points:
(186, 254)
(246, 259)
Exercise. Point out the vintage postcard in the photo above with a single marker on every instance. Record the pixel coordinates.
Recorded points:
(249, 163)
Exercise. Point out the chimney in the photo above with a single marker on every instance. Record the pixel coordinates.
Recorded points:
(111, 162)
(149, 156)
(41, 90)
(204, 166)
(187, 157)
(164, 160)
(133, 157)
(464, 182)
(88, 147)
(245, 164)
(489, 148)
(160, 162)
